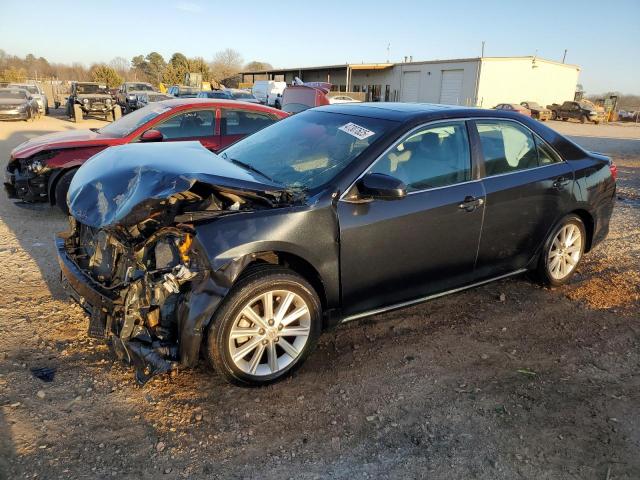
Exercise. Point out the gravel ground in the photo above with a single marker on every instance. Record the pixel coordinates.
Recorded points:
(509, 380)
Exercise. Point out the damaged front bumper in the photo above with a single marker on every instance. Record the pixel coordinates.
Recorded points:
(137, 328)
(28, 187)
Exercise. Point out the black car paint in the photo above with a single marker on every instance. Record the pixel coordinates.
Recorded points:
(361, 256)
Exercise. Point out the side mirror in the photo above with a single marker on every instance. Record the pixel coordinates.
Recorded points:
(152, 136)
(381, 186)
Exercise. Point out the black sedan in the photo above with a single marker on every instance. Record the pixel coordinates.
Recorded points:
(334, 214)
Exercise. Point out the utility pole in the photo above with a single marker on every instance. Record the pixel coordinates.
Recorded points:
(482, 52)
(388, 49)
(564, 56)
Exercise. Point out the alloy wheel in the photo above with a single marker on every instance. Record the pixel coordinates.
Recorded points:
(565, 251)
(270, 332)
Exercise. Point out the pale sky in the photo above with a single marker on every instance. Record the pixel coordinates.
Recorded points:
(603, 38)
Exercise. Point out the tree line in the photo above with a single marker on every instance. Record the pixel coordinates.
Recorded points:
(151, 68)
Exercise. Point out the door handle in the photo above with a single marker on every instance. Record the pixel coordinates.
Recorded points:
(560, 182)
(471, 203)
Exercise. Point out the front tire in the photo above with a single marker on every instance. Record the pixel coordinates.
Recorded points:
(266, 327)
(583, 119)
(562, 252)
(62, 187)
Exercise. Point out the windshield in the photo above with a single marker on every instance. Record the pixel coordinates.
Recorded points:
(83, 88)
(131, 122)
(309, 149)
(213, 94)
(139, 87)
(14, 93)
(30, 88)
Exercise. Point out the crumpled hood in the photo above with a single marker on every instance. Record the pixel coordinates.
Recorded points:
(123, 185)
(58, 140)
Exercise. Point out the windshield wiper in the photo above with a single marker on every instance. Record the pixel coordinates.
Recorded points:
(96, 130)
(246, 166)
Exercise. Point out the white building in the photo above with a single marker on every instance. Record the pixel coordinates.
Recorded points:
(482, 81)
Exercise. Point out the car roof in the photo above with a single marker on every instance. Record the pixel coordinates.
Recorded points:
(214, 102)
(407, 112)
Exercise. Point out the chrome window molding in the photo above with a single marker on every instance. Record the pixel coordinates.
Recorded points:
(451, 120)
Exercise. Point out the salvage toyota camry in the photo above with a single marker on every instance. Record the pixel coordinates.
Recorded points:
(330, 215)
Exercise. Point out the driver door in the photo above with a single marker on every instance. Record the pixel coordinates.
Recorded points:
(394, 251)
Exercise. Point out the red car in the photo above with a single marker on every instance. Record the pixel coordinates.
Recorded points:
(513, 107)
(41, 169)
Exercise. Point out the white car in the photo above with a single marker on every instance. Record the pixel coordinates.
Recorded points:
(343, 99)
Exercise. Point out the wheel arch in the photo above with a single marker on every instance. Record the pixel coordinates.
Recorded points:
(292, 261)
(589, 225)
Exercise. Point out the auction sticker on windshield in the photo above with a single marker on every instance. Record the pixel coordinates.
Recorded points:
(356, 130)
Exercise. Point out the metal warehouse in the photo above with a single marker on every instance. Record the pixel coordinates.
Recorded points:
(480, 81)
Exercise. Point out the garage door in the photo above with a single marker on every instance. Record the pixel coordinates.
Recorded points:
(410, 86)
(451, 89)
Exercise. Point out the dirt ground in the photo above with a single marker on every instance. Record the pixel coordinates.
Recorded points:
(505, 381)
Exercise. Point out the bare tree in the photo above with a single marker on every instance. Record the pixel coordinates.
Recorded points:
(121, 65)
(257, 66)
(226, 63)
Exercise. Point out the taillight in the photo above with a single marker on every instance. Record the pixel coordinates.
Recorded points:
(614, 171)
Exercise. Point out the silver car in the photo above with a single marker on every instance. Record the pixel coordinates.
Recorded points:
(37, 94)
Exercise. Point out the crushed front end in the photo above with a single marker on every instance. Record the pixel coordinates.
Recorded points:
(132, 257)
(28, 179)
(134, 288)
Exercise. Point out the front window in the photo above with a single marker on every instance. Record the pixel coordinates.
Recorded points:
(309, 149)
(192, 124)
(435, 156)
(131, 122)
(15, 94)
(88, 88)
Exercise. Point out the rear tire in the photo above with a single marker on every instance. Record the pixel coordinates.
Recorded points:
(77, 113)
(265, 354)
(562, 252)
(62, 187)
(554, 115)
(583, 119)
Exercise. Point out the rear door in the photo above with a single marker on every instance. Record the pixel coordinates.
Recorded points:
(528, 187)
(237, 123)
(393, 251)
(199, 125)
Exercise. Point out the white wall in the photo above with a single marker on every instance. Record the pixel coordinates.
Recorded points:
(430, 75)
(515, 80)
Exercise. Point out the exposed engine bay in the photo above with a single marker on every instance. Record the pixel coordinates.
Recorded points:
(150, 270)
